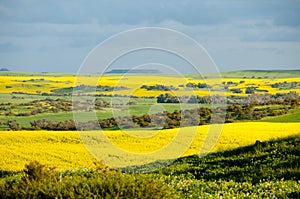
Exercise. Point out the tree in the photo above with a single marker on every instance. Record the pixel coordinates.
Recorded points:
(250, 90)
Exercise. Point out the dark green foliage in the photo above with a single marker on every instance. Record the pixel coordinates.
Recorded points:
(199, 85)
(86, 89)
(49, 105)
(36, 171)
(255, 107)
(159, 87)
(40, 182)
(167, 120)
(236, 90)
(53, 125)
(250, 90)
(167, 98)
(286, 85)
(4, 173)
(266, 99)
(13, 125)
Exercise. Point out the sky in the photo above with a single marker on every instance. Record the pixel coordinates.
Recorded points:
(56, 36)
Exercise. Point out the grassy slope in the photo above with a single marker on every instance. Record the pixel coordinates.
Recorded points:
(268, 169)
(292, 116)
(269, 160)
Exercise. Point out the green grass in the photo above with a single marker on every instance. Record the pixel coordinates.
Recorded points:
(269, 160)
(23, 98)
(268, 169)
(291, 116)
(63, 116)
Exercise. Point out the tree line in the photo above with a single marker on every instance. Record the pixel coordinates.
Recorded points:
(169, 120)
(49, 105)
(265, 99)
(159, 87)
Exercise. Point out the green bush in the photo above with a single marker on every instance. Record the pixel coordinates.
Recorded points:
(39, 181)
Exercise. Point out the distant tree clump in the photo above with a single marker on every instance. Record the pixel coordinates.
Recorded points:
(199, 85)
(286, 85)
(236, 90)
(82, 89)
(167, 98)
(250, 90)
(159, 87)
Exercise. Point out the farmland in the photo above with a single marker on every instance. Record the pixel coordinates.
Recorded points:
(261, 170)
(37, 84)
(26, 97)
(65, 149)
(141, 115)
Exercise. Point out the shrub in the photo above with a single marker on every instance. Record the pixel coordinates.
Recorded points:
(250, 90)
(40, 182)
(36, 171)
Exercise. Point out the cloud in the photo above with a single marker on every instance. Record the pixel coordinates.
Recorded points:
(61, 33)
(8, 47)
(188, 12)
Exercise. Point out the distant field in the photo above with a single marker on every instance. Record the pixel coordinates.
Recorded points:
(137, 110)
(241, 80)
(140, 107)
(65, 150)
(263, 73)
(239, 73)
(38, 86)
(292, 116)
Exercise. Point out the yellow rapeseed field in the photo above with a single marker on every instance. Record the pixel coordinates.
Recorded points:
(44, 84)
(65, 150)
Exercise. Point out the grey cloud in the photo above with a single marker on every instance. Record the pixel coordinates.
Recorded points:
(56, 31)
(189, 12)
(9, 47)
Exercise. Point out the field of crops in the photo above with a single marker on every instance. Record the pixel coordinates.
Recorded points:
(37, 84)
(65, 149)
